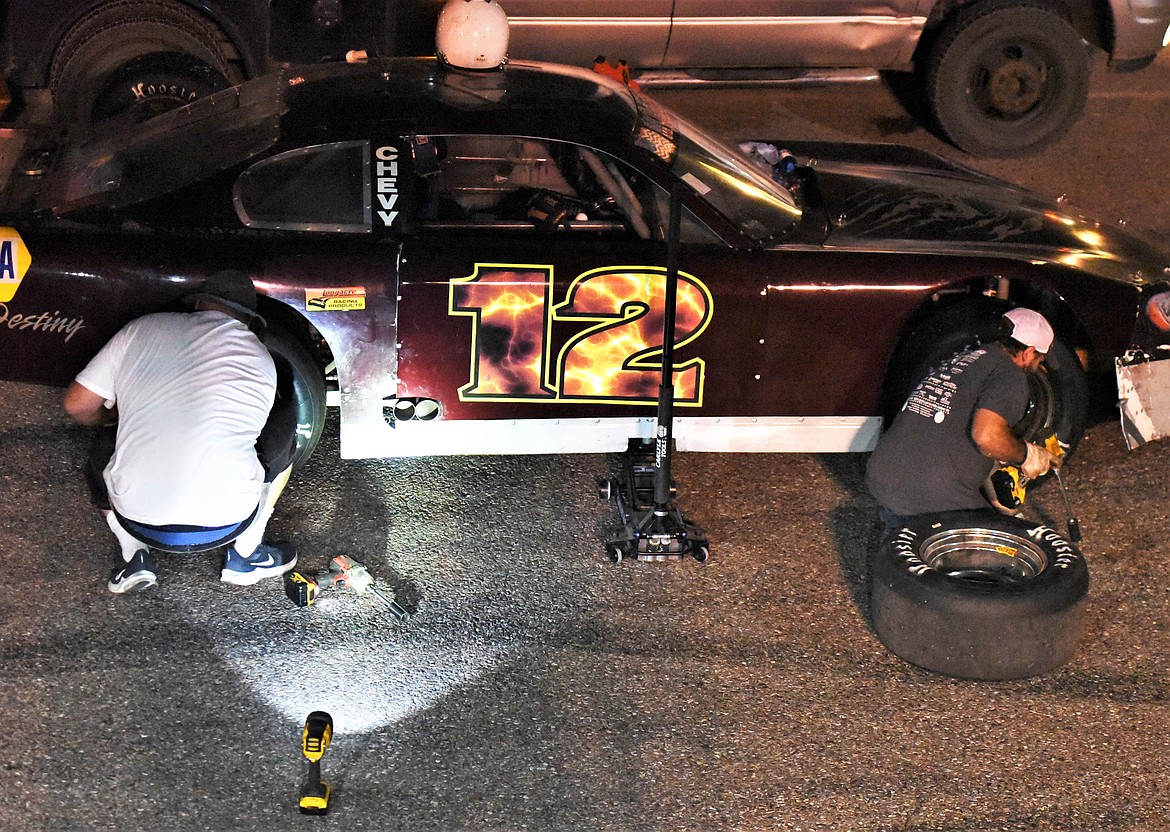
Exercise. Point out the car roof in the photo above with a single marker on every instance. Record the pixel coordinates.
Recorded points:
(119, 166)
(562, 101)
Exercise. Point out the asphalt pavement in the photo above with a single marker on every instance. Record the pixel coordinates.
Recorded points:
(540, 687)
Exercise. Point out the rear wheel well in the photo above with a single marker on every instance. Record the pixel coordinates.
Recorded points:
(287, 319)
(305, 351)
(957, 319)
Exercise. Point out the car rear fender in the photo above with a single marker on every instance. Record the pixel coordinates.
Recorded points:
(352, 330)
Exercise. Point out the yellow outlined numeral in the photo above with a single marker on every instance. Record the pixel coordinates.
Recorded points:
(617, 359)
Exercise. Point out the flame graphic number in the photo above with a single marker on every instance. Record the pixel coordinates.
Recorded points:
(509, 341)
(616, 357)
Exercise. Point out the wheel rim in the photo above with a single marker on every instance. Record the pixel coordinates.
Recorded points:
(983, 556)
(1010, 82)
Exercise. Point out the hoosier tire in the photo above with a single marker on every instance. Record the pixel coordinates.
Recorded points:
(979, 595)
(140, 55)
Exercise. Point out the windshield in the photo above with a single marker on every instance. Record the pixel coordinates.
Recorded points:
(760, 207)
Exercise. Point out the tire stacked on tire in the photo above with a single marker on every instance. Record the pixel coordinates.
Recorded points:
(979, 595)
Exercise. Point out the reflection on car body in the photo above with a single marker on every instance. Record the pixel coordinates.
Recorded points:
(476, 262)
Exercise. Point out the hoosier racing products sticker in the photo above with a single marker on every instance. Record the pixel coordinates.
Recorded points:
(340, 299)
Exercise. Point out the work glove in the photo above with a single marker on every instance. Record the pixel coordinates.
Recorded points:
(1037, 463)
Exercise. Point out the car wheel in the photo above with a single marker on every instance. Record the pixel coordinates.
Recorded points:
(979, 595)
(308, 390)
(1007, 78)
(173, 43)
(1058, 394)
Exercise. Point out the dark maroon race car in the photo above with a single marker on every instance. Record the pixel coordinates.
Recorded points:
(475, 262)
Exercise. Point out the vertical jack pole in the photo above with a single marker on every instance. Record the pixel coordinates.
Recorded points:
(653, 528)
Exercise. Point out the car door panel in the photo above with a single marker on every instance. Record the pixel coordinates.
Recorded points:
(544, 328)
(577, 31)
(771, 363)
(793, 33)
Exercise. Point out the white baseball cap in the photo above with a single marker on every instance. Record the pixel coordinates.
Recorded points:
(1031, 329)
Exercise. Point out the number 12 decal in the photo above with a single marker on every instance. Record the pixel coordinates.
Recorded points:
(616, 357)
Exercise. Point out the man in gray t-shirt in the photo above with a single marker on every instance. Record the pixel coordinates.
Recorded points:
(956, 426)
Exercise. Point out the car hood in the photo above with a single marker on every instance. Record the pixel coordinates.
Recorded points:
(891, 198)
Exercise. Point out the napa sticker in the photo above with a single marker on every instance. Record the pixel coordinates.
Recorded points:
(14, 262)
(339, 299)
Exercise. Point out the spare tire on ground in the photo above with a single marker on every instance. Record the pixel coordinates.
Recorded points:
(979, 595)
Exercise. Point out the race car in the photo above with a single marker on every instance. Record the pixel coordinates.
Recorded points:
(478, 261)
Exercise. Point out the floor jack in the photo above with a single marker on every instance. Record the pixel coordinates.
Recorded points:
(653, 528)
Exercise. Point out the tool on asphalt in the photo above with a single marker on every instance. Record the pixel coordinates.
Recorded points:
(347, 574)
(1074, 525)
(653, 527)
(344, 574)
(315, 739)
(301, 588)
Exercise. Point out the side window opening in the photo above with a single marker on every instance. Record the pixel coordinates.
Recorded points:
(324, 188)
(484, 175)
(526, 185)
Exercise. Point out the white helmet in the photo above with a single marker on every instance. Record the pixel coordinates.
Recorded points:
(472, 34)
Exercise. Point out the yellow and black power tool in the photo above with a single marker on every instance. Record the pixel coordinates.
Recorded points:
(1010, 486)
(315, 739)
(344, 574)
(1009, 483)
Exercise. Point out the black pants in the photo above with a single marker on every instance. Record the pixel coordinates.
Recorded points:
(101, 451)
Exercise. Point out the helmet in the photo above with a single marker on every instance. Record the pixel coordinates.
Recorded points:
(472, 34)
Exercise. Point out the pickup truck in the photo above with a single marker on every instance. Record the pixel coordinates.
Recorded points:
(999, 77)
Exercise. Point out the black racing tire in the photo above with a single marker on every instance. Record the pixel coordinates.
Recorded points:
(1058, 394)
(1007, 78)
(103, 46)
(153, 84)
(979, 595)
(308, 389)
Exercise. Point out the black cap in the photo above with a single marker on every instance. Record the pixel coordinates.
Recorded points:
(233, 289)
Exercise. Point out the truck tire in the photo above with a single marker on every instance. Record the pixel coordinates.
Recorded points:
(979, 595)
(1007, 78)
(141, 47)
